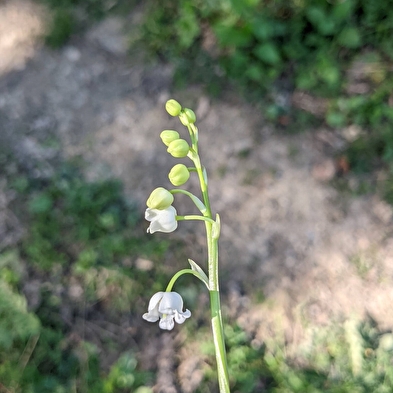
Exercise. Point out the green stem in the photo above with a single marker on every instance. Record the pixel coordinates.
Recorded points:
(193, 130)
(212, 250)
(203, 184)
(219, 343)
(216, 318)
(194, 217)
(177, 275)
(198, 203)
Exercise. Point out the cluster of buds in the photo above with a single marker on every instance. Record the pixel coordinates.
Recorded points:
(160, 211)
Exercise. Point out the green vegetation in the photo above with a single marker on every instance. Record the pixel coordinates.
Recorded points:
(354, 357)
(76, 263)
(340, 50)
(78, 255)
(39, 352)
(73, 220)
(72, 16)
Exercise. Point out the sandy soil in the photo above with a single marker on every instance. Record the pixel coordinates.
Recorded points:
(314, 253)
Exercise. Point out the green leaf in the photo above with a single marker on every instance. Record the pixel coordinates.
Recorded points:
(262, 29)
(187, 26)
(201, 274)
(330, 74)
(232, 35)
(238, 63)
(40, 204)
(335, 119)
(323, 22)
(343, 9)
(350, 38)
(268, 53)
(327, 27)
(255, 72)
(62, 26)
(315, 15)
(16, 323)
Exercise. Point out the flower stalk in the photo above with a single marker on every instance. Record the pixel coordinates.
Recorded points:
(215, 307)
(167, 307)
(212, 250)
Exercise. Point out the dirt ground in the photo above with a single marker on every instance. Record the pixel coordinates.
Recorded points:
(314, 253)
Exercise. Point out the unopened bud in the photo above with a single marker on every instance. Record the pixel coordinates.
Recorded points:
(168, 136)
(179, 174)
(160, 199)
(173, 107)
(178, 148)
(187, 117)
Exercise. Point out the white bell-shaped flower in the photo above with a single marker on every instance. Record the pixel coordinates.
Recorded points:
(168, 308)
(161, 220)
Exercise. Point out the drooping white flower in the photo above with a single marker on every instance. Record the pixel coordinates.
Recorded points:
(161, 220)
(168, 308)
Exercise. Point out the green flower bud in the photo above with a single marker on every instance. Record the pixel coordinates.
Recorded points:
(178, 148)
(187, 117)
(190, 115)
(168, 136)
(160, 199)
(179, 174)
(173, 107)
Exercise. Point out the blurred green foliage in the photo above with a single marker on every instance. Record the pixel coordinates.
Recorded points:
(261, 47)
(62, 26)
(72, 16)
(38, 353)
(83, 224)
(259, 41)
(339, 358)
(248, 372)
(81, 234)
(85, 232)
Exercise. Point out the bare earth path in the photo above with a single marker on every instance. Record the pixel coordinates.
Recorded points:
(316, 255)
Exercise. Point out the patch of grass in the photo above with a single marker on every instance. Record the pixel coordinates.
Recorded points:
(61, 28)
(76, 262)
(341, 358)
(263, 47)
(74, 222)
(72, 16)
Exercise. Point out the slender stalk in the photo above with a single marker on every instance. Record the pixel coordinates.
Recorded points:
(198, 203)
(177, 275)
(215, 306)
(194, 217)
(203, 185)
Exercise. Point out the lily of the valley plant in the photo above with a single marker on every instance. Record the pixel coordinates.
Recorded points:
(167, 307)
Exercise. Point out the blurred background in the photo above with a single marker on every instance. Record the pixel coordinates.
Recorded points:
(294, 106)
